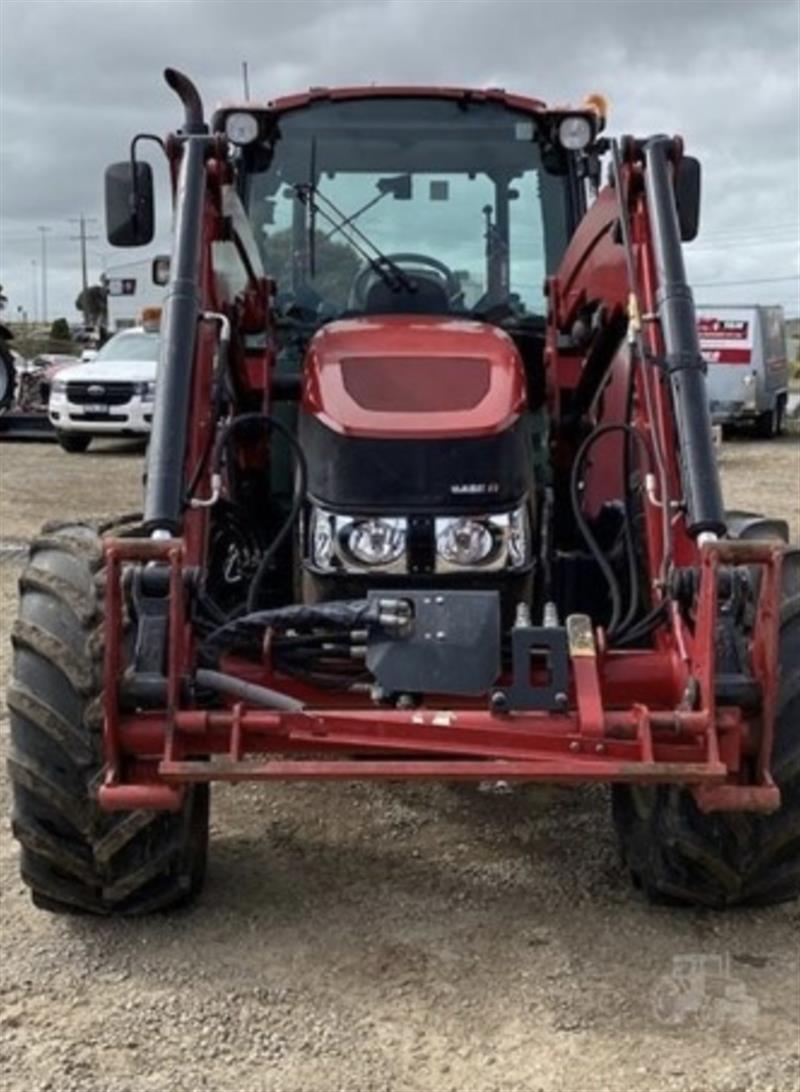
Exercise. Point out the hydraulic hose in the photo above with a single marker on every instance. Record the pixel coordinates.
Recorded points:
(300, 489)
(250, 692)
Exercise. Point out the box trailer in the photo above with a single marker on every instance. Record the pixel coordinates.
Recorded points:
(748, 366)
(132, 287)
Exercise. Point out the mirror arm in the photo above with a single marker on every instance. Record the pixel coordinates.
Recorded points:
(134, 173)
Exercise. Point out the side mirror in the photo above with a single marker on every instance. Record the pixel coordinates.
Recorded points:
(687, 197)
(399, 186)
(160, 270)
(130, 211)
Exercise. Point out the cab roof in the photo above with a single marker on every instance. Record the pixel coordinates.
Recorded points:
(286, 103)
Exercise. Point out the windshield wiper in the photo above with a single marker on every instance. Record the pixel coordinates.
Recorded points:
(389, 272)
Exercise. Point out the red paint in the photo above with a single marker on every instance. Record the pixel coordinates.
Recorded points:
(415, 363)
(340, 94)
(726, 356)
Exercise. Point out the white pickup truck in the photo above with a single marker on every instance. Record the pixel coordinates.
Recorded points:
(748, 365)
(111, 395)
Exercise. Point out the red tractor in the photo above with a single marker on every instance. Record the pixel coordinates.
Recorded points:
(431, 493)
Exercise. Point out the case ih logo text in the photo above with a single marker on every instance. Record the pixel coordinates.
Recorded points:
(470, 489)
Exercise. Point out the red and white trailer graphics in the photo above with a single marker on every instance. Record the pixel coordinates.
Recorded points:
(748, 367)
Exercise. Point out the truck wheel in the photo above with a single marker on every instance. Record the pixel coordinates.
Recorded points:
(74, 442)
(780, 415)
(73, 856)
(679, 855)
(8, 377)
(768, 423)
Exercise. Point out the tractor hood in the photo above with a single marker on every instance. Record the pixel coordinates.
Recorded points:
(414, 414)
(410, 376)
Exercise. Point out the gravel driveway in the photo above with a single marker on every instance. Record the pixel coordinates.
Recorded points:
(368, 937)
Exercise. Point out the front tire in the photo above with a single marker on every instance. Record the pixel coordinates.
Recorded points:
(677, 854)
(73, 856)
(8, 377)
(74, 442)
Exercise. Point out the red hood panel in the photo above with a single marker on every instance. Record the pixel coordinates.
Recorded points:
(403, 375)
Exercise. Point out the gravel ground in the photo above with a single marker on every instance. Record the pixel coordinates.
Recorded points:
(392, 937)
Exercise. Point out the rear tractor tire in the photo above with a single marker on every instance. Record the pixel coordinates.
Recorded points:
(677, 854)
(74, 857)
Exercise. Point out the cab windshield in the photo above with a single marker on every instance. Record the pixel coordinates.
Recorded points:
(136, 345)
(410, 204)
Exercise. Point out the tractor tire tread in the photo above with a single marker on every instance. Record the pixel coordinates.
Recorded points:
(74, 857)
(676, 853)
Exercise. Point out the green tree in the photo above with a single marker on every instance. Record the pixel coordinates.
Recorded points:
(335, 265)
(59, 331)
(92, 301)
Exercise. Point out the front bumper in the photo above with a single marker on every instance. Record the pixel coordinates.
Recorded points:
(723, 413)
(133, 416)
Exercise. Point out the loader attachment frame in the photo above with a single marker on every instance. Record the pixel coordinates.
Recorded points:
(151, 755)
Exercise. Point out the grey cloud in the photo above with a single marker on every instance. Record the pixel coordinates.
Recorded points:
(79, 78)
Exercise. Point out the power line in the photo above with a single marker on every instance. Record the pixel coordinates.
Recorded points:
(726, 248)
(756, 280)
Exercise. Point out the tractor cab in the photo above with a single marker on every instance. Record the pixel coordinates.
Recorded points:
(452, 204)
(409, 236)
(409, 204)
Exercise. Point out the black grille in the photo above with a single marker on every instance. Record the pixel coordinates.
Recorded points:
(98, 417)
(438, 476)
(113, 394)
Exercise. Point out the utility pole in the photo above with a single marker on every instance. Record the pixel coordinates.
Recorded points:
(246, 81)
(83, 238)
(35, 291)
(44, 231)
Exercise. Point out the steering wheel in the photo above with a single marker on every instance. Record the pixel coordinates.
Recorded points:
(361, 281)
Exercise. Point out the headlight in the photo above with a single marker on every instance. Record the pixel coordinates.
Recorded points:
(354, 544)
(575, 133)
(241, 128)
(463, 541)
(495, 542)
(146, 391)
(490, 543)
(58, 386)
(374, 541)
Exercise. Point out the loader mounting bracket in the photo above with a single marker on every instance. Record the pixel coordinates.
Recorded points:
(532, 647)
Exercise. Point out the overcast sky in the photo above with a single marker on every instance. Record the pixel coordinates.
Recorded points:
(80, 77)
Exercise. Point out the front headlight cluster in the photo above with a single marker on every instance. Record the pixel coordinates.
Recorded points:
(146, 391)
(485, 542)
(353, 544)
(381, 543)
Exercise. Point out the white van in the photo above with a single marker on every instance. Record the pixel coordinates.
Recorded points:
(748, 365)
(111, 395)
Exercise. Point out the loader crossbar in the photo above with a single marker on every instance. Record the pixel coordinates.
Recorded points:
(151, 754)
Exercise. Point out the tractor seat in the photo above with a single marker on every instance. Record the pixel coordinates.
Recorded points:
(430, 298)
